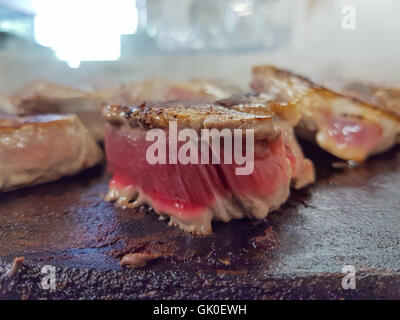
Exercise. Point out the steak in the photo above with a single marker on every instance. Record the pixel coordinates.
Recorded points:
(43, 148)
(42, 88)
(165, 90)
(192, 194)
(385, 98)
(87, 108)
(286, 116)
(346, 127)
(43, 97)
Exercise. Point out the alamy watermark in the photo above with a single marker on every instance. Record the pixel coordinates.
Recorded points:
(49, 279)
(349, 17)
(238, 147)
(349, 280)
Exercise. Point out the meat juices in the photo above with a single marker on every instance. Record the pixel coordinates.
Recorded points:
(346, 127)
(194, 194)
(43, 148)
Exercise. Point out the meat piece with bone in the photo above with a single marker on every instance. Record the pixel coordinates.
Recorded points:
(346, 127)
(194, 193)
(43, 148)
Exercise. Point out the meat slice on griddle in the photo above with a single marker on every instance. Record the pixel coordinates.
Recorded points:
(193, 194)
(346, 127)
(385, 98)
(37, 149)
(87, 107)
(44, 97)
(169, 90)
(286, 116)
(42, 88)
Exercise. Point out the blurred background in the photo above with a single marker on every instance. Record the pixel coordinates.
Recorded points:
(100, 43)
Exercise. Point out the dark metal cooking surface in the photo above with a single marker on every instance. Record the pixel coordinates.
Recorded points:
(351, 216)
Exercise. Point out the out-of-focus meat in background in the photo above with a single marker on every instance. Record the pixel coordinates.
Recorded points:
(182, 39)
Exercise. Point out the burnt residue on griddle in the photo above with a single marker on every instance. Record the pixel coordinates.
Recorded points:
(16, 266)
(269, 240)
(138, 260)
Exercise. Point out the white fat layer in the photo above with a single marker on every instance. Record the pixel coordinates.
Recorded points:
(311, 121)
(223, 208)
(304, 172)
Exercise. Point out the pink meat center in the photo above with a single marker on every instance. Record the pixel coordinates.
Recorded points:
(350, 133)
(186, 190)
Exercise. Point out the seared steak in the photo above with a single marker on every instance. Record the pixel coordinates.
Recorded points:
(192, 194)
(344, 126)
(43, 148)
(164, 90)
(286, 116)
(385, 98)
(86, 107)
(43, 97)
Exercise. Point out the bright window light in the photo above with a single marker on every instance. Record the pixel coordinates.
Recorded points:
(84, 30)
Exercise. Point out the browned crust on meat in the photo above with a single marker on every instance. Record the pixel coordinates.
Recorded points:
(10, 123)
(288, 75)
(263, 104)
(42, 88)
(195, 115)
(43, 148)
(158, 89)
(387, 99)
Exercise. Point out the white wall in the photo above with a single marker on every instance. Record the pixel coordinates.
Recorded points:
(319, 45)
(371, 51)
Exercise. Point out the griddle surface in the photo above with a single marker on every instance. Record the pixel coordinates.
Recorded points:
(350, 216)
